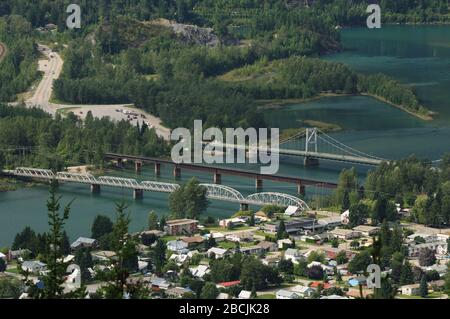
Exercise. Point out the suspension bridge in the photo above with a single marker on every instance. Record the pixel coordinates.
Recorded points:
(313, 145)
(214, 191)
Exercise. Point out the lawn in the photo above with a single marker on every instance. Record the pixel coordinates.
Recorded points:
(266, 296)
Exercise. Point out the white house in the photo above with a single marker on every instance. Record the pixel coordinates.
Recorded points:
(178, 246)
(245, 294)
(200, 271)
(34, 266)
(218, 252)
(286, 294)
(303, 291)
(83, 242)
(223, 295)
(284, 242)
(410, 290)
(292, 211)
(293, 255)
(2, 256)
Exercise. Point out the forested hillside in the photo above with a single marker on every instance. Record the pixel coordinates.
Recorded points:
(60, 142)
(18, 69)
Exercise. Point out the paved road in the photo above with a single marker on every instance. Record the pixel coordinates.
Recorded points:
(52, 68)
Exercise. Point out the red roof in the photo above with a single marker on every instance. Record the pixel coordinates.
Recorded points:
(229, 283)
(316, 284)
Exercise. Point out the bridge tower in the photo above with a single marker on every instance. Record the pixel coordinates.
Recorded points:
(311, 145)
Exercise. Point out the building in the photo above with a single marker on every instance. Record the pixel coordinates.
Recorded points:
(178, 227)
(193, 241)
(223, 295)
(283, 243)
(245, 294)
(303, 291)
(232, 222)
(268, 246)
(410, 290)
(252, 250)
(177, 246)
(217, 252)
(292, 211)
(158, 284)
(103, 255)
(16, 254)
(367, 231)
(286, 294)
(293, 255)
(177, 292)
(239, 237)
(34, 266)
(330, 222)
(345, 234)
(200, 271)
(228, 284)
(84, 242)
(439, 247)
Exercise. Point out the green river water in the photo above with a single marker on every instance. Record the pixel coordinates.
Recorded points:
(415, 55)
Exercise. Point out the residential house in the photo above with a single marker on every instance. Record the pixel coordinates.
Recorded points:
(252, 250)
(267, 246)
(245, 294)
(177, 292)
(327, 269)
(178, 227)
(223, 295)
(271, 260)
(283, 243)
(345, 234)
(240, 237)
(179, 259)
(34, 266)
(228, 284)
(410, 290)
(218, 237)
(16, 254)
(193, 241)
(439, 247)
(177, 246)
(440, 269)
(199, 271)
(261, 217)
(286, 294)
(303, 291)
(367, 231)
(232, 222)
(158, 283)
(293, 255)
(103, 255)
(154, 232)
(218, 252)
(84, 242)
(333, 297)
(3, 256)
(292, 211)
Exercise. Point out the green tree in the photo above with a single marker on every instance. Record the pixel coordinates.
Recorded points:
(427, 257)
(83, 259)
(423, 289)
(159, 255)
(2, 265)
(188, 201)
(101, 226)
(360, 262)
(152, 221)
(358, 214)
(281, 232)
(209, 291)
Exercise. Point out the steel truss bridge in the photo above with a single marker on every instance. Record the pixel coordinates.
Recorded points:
(214, 191)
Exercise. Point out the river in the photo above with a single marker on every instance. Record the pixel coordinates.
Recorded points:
(415, 55)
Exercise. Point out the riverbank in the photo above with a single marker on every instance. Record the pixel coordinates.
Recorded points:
(281, 103)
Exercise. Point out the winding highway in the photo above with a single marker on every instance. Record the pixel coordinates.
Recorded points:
(52, 67)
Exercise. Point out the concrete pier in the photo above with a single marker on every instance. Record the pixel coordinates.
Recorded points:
(138, 194)
(95, 189)
(310, 161)
(258, 184)
(177, 172)
(157, 169)
(217, 178)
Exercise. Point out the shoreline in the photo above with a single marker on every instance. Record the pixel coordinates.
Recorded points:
(281, 103)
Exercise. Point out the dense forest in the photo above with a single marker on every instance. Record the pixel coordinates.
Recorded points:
(18, 69)
(410, 183)
(57, 143)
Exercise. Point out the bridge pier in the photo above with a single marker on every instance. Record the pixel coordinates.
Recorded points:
(301, 189)
(217, 178)
(258, 184)
(243, 206)
(95, 188)
(119, 162)
(310, 161)
(138, 193)
(177, 172)
(138, 167)
(157, 169)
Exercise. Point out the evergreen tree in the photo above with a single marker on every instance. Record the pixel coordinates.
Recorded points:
(152, 221)
(423, 289)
